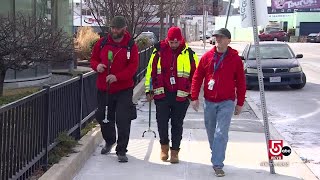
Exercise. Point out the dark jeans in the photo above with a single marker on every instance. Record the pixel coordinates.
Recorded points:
(118, 106)
(168, 108)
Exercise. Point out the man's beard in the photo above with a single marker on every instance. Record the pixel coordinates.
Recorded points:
(117, 36)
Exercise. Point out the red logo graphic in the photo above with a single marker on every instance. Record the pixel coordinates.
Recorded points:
(275, 148)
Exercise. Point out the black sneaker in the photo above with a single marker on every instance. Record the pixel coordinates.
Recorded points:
(219, 172)
(107, 148)
(122, 158)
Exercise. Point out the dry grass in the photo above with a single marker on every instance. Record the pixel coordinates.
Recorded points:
(83, 41)
(10, 95)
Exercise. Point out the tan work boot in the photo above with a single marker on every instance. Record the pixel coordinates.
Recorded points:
(164, 152)
(174, 158)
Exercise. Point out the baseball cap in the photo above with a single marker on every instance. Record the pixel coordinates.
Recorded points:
(118, 22)
(222, 32)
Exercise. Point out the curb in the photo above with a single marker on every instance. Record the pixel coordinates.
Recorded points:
(274, 133)
(69, 166)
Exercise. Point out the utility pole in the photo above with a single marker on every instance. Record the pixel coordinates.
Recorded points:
(260, 78)
(228, 13)
(81, 13)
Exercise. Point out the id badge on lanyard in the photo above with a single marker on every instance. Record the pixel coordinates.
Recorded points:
(215, 68)
(172, 81)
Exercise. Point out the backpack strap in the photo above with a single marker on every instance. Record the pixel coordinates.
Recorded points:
(128, 47)
(191, 52)
(103, 42)
(157, 46)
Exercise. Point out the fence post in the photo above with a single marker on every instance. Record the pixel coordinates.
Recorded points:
(78, 132)
(46, 129)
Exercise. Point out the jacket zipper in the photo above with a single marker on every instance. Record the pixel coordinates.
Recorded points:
(171, 70)
(218, 81)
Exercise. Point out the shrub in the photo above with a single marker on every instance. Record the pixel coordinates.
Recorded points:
(84, 41)
(143, 43)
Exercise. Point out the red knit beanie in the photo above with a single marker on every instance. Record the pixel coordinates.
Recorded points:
(174, 33)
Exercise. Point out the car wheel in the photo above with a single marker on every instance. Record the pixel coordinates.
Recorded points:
(300, 86)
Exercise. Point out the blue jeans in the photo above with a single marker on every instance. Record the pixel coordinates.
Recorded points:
(217, 119)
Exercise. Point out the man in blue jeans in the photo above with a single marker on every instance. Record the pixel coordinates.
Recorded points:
(224, 82)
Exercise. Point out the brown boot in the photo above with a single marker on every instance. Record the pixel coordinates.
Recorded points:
(174, 156)
(164, 152)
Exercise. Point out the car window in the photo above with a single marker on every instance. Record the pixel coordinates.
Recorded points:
(313, 34)
(271, 51)
(245, 51)
(272, 30)
(148, 35)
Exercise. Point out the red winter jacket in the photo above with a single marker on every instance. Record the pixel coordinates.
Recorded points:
(124, 69)
(168, 59)
(229, 78)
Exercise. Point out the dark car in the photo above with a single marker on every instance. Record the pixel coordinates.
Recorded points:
(280, 66)
(275, 35)
(314, 37)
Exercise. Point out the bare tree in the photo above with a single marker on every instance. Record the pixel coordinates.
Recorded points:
(26, 41)
(138, 13)
(175, 9)
(172, 8)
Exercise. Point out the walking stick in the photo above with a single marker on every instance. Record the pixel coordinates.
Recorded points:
(110, 59)
(149, 128)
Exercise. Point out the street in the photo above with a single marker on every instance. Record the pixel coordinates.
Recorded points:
(295, 113)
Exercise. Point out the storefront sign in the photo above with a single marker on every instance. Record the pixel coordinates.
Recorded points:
(295, 4)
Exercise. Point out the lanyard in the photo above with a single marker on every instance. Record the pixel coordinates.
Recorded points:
(215, 58)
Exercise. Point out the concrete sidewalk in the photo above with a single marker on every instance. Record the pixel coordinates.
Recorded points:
(246, 156)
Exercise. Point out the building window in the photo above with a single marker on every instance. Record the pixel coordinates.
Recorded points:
(6, 6)
(86, 12)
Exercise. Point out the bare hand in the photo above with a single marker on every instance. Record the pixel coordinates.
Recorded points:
(111, 78)
(101, 67)
(195, 105)
(237, 110)
(149, 97)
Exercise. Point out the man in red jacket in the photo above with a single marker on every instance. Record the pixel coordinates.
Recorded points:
(224, 81)
(116, 64)
(168, 81)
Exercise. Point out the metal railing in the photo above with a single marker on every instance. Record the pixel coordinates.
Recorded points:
(30, 126)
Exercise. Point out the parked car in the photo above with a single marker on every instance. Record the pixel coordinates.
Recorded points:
(212, 40)
(201, 36)
(208, 35)
(149, 35)
(280, 66)
(314, 37)
(276, 35)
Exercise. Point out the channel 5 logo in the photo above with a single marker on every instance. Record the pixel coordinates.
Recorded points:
(277, 150)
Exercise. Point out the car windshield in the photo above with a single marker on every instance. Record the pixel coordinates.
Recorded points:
(272, 30)
(271, 51)
(149, 35)
(312, 34)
